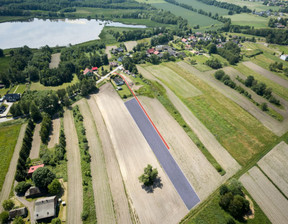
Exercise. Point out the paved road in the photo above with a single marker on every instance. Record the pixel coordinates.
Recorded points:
(110, 73)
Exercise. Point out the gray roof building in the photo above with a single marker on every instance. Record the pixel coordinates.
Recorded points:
(18, 212)
(33, 192)
(45, 208)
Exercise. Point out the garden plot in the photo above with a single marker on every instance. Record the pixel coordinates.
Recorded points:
(130, 45)
(201, 174)
(55, 133)
(275, 166)
(163, 205)
(267, 196)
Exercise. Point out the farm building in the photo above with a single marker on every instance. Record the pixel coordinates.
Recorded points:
(118, 81)
(12, 97)
(88, 72)
(32, 169)
(150, 51)
(18, 212)
(284, 57)
(33, 192)
(45, 208)
(94, 69)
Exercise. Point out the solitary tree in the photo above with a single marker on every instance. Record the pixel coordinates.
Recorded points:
(55, 187)
(149, 175)
(8, 205)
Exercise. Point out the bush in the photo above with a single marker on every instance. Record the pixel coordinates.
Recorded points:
(18, 220)
(219, 74)
(84, 215)
(22, 187)
(56, 221)
(214, 63)
(4, 217)
(55, 187)
(8, 205)
(264, 106)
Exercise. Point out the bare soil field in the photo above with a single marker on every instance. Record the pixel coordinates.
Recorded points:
(121, 206)
(35, 149)
(270, 200)
(266, 73)
(108, 49)
(9, 179)
(130, 45)
(275, 166)
(163, 205)
(207, 138)
(55, 60)
(101, 188)
(55, 133)
(200, 173)
(278, 128)
(75, 193)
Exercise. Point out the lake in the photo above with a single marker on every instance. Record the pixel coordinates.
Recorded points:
(38, 32)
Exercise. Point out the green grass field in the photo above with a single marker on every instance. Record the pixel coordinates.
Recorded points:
(245, 19)
(8, 138)
(38, 86)
(234, 128)
(258, 6)
(4, 63)
(207, 8)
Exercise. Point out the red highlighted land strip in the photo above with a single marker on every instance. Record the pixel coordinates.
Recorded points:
(143, 109)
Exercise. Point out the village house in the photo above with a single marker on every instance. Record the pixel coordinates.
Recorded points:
(284, 57)
(18, 212)
(13, 97)
(45, 209)
(87, 72)
(118, 81)
(32, 169)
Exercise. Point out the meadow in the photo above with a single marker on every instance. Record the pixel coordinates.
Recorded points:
(8, 138)
(258, 6)
(245, 19)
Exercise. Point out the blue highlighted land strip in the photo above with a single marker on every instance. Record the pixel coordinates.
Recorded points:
(163, 155)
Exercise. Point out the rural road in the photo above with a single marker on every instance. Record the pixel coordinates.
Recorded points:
(9, 179)
(110, 73)
(75, 192)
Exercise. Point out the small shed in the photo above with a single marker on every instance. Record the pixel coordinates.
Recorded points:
(32, 169)
(33, 192)
(94, 69)
(284, 57)
(45, 208)
(18, 212)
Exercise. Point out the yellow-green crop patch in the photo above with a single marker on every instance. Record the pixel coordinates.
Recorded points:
(8, 138)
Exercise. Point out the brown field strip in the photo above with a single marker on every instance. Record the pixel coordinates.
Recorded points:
(200, 173)
(130, 45)
(75, 192)
(267, 196)
(108, 49)
(228, 163)
(55, 60)
(35, 149)
(55, 133)
(121, 206)
(101, 188)
(163, 205)
(278, 128)
(9, 179)
(275, 166)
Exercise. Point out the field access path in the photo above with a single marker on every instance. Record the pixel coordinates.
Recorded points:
(9, 179)
(35, 148)
(102, 194)
(55, 133)
(75, 192)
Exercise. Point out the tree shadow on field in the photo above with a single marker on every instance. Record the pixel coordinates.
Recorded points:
(157, 184)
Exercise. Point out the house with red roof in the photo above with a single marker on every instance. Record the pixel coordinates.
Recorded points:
(156, 52)
(94, 69)
(151, 51)
(32, 169)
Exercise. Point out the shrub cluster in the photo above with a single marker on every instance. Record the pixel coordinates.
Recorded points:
(21, 172)
(214, 63)
(45, 128)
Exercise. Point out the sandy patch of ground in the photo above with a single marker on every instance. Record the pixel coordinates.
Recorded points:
(274, 164)
(164, 205)
(55, 133)
(35, 149)
(130, 45)
(278, 128)
(227, 162)
(108, 49)
(270, 200)
(121, 207)
(55, 60)
(101, 188)
(269, 75)
(200, 173)
(9, 179)
(75, 193)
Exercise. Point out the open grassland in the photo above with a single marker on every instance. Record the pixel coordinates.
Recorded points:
(258, 6)
(245, 19)
(277, 89)
(232, 126)
(274, 164)
(207, 8)
(8, 139)
(4, 63)
(200, 63)
(38, 86)
(268, 197)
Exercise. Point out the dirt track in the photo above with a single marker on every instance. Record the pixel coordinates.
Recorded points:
(200, 173)
(9, 179)
(228, 163)
(34, 153)
(270, 200)
(164, 205)
(274, 164)
(269, 75)
(55, 133)
(101, 188)
(115, 178)
(278, 128)
(75, 192)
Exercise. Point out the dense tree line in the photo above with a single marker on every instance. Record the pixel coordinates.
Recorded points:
(231, 52)
(278, 67)
(21, 171)
(161, 39)
(46, 125)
